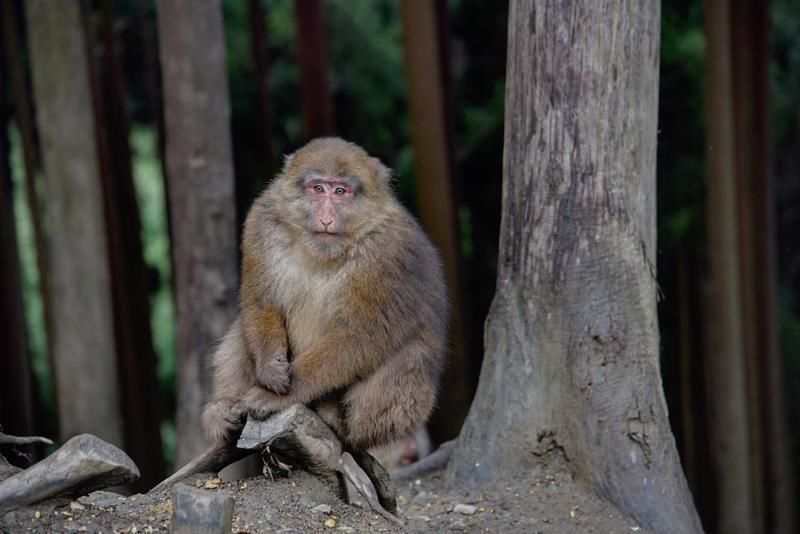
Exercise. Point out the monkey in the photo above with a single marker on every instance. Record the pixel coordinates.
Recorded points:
(342, 304)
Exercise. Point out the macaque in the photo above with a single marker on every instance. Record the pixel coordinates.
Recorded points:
(343, 304)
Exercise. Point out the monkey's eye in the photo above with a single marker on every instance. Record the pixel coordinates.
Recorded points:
(319, 189)
(340, 190)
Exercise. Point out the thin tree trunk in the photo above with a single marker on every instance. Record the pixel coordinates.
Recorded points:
(258, 45)
(745, 137)
(571, 371)
(725, 357)
(201, 197)
(430, 129)
(313, 58)
(83, 337)
(148, 47)
(22, 111)
(16, 391)
(750, 42)
(130, 288)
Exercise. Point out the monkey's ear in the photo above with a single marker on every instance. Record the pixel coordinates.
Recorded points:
(383, 172)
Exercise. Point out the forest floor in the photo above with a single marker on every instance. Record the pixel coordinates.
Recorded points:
(546, 503)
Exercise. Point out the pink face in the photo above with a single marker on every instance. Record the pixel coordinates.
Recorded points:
(328, 197)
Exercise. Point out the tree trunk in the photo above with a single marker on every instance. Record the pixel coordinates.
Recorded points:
(16, 391)
(430, 132)
(571, 366)
(15, 62)
(83, 337)
(312, 56)
(130, 288)
(750, 48)
(201, 197)
(258, 46)
(725, 356)
(746, 139)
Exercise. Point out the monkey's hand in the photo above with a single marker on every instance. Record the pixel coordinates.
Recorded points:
(260, 403)
(222, 419)
(273, 370)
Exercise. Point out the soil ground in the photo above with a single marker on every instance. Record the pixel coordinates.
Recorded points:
(548, 502)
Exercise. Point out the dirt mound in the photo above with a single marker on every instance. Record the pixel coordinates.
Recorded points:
(302, 503)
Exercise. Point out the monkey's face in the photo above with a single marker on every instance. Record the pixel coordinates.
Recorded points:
(329, 199)
(340, 193)
(330, 202)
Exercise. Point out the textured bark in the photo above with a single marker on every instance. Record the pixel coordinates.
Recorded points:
(725, 357)
(83, 337)
(312, 55)
(16, 391)
(130, 290)
(430, 125)
(766, 402)
(201, 198)
(571, 365)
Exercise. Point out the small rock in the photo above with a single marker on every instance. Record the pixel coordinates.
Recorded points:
(212, 483)
(458, 524)
(330, 523)
(201, 512)
(321, 509)
(306, 501)
(422, 498)
(466, 509)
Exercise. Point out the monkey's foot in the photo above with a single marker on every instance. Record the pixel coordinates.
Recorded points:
(274, 372)
(222, 419)
(260, 403)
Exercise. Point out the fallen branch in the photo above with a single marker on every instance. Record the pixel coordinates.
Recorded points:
(8, 439)
(215, 459)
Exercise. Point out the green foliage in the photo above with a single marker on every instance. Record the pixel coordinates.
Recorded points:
(681, 139)
(34, 304)
(151, 197)
(785, 69)
(365, 73)
(150, 194)
(484, 119)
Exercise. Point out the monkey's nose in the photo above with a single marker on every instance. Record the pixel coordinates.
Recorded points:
(326, 223)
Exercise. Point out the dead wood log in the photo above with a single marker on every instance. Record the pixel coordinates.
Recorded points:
(83, 464)
(216, 458)
(297, 437)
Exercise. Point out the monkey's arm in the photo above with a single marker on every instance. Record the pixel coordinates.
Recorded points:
(377, 315)
(264, 334)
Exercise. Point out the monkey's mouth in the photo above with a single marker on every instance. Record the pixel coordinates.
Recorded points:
(327, 235)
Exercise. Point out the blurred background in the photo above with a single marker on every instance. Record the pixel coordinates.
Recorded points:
(94, 233)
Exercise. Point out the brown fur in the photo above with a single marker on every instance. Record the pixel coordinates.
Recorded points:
(353, 326)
